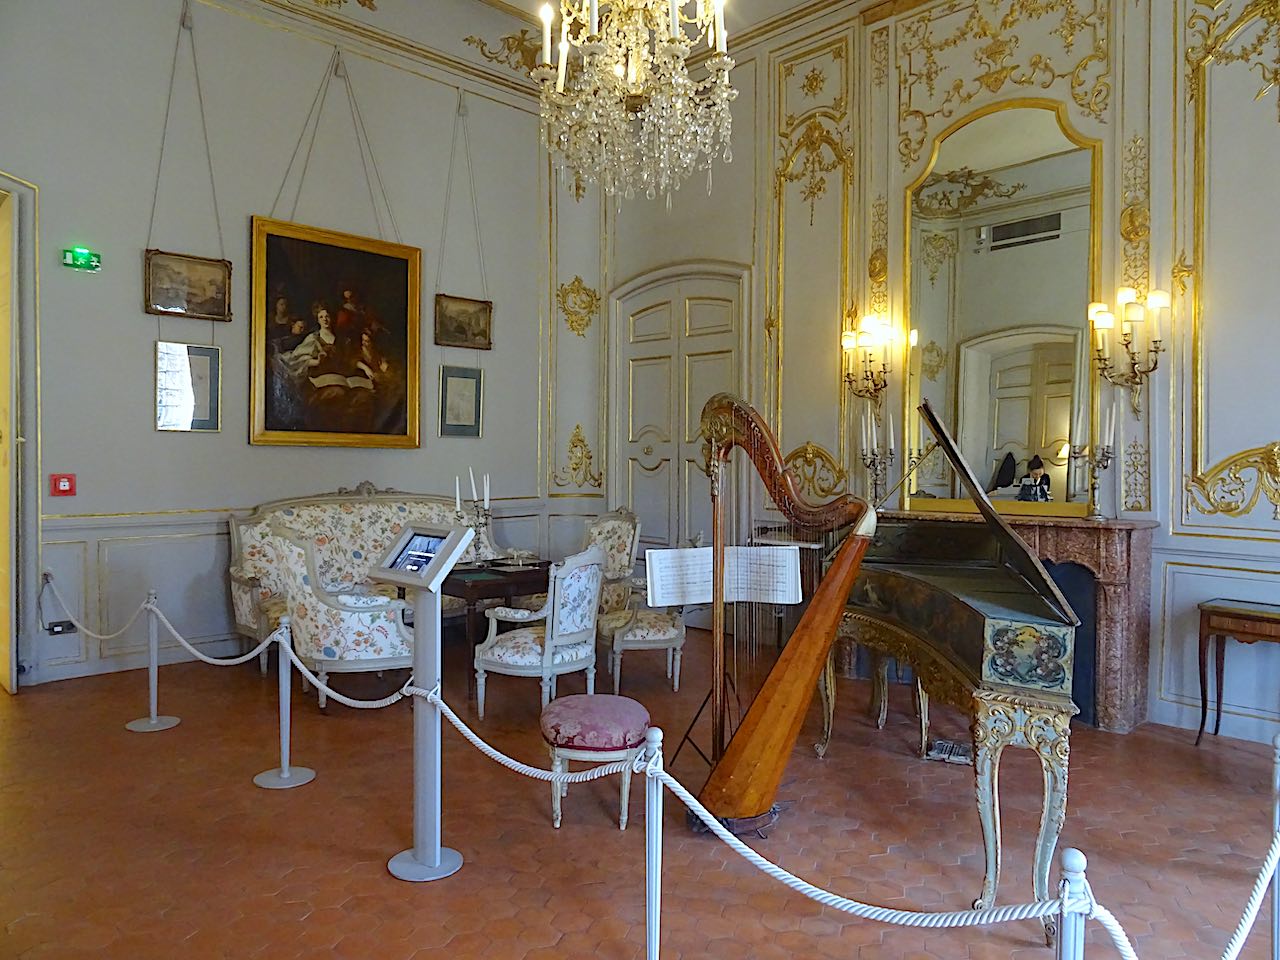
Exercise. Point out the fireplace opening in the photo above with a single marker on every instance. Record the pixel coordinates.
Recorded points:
(1080, 587)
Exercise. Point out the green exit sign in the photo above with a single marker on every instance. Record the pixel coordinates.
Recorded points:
(82, 258)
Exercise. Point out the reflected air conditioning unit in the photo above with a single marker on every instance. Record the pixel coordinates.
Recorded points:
(1019, 233)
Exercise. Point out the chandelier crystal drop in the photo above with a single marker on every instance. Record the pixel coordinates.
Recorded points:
(618, 105)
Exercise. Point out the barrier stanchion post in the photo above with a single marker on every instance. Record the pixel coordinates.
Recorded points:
(653, 788)
(426, 859)
(1071, 920)
(284, 776)
(152, 722)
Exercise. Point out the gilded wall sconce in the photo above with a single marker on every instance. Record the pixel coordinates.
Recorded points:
(1139, 342)
(866, 350)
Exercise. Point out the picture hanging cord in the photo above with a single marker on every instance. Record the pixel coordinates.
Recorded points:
(336, 67)
(460, 121)
(186, 25)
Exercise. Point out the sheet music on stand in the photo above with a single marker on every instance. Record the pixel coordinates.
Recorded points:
(752, 574)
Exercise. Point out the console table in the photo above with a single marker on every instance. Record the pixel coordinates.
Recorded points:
(1245, 620)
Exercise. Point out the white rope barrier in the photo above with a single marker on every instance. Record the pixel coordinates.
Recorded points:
(53, 587)
(280, 634)
(345, 701)
(1236, 943)
(535, 773)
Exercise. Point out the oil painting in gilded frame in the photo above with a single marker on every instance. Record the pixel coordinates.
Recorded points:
(335, 338)
(461, 322)
(188, 387)
(461, 401)
(180, 285)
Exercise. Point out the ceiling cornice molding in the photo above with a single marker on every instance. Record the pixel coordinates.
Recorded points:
(385, 42)
(512, 10)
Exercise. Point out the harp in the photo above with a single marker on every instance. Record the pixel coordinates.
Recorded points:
(746, 772)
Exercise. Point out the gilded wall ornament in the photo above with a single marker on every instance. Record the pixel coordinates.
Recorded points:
(1135, 217)
(880, 57)
(933, 360)
(578, 473)
(1235, 485)
(1137, 477)
(878, 261)
(821, 151)
(367, 4)
(814, 82)
(579, 304)
(1019, 43)
(818, 475)
(1251, 37)
(952, 192)
(519, 51)
(1183, 272)
(937, 249)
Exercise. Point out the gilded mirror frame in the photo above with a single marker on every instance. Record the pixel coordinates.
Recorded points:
(1060, 113)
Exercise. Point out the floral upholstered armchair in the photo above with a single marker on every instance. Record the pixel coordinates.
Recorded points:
(617, 533)
(556, 640)
(335, 631)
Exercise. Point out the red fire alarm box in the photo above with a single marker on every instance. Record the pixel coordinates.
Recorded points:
(62, 484)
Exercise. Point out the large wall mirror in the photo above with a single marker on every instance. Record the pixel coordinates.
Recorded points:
(1002, 258)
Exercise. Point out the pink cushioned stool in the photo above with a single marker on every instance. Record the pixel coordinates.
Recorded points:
(598, 728)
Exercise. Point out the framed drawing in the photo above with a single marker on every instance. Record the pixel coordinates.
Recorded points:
(335, 338)
(177, 285)
(188, 387)
(464, 323)
(461, 401)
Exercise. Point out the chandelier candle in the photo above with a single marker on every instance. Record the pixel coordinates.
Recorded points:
(547, 15)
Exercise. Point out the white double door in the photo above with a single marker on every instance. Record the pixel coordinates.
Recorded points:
(677, 337)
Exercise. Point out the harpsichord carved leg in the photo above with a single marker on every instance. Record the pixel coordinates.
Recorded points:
(1048, 732)
(922, 712)
(880, 688)
(994, 728)
(827, 690)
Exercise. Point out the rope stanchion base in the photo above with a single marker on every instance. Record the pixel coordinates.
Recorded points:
(152, 724)
(279, 779)
(405, 866)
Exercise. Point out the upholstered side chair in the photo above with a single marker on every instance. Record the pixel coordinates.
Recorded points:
(617, 533)
(558, 639)
(337, 632)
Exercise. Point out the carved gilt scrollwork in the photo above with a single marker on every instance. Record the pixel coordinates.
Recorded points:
(933, 360)
(579, 472)
(1135, 216)
(880, 57)
(1137, 476)
(367, 4)
(1018, 43)
(1234, 487)
(937, 249)
(1251, 37)
(519, 51)
(952, 192)
(819, 152)
(818, 475)
(579, 304)
(878, 261)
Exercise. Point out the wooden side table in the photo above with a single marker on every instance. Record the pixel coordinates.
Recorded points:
(1245, 620)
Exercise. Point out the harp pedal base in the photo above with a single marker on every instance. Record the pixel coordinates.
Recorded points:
(949, 751)
(738, 826)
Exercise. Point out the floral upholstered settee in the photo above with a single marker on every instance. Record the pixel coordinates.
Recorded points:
(341, 536)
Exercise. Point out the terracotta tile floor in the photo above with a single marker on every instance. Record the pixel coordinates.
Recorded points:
(119, 845)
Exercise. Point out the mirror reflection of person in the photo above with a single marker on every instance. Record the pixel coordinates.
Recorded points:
(1035, 486)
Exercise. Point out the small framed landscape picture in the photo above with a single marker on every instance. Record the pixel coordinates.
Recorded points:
(464, 323)
(461, 401)
(188, 387)
(178, 285)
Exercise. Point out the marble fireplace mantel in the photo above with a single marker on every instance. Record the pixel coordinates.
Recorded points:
(1118, 554)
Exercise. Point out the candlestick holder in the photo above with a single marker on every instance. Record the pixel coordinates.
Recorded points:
(1132, 372)
(1097, 463)
(878, 464)
(868, 382)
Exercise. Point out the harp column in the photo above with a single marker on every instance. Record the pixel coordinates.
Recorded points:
(714, 465)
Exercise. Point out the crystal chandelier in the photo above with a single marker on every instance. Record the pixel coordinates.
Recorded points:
(624, 113)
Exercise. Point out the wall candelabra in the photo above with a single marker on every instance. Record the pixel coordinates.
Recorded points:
(1139, 341)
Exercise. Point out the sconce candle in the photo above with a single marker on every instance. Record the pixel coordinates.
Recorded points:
(547, 15)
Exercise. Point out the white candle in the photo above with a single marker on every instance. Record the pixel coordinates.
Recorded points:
(547, 16)
(564, 61)
(486, 491)
(675, 20)
(457, 494)
(875, 437)
(862, 422)
(1111, 425)
(722, 39)
(594, 26)
(474, 495)
(890, 415)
